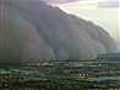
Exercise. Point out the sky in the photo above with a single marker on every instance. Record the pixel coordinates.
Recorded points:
(104, 13)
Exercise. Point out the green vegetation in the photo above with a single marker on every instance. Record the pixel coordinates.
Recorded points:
(55, 75)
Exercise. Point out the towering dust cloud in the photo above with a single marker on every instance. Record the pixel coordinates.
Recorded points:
(33, 30)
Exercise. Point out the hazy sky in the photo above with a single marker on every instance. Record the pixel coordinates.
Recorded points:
(69, 1)
(102, 12)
